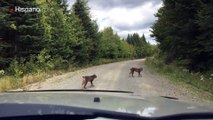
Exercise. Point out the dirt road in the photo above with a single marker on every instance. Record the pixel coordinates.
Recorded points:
(115, 76)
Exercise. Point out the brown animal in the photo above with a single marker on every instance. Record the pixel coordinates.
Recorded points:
(87, 79)
(138, 70)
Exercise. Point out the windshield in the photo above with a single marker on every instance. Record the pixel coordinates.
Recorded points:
(149, 47)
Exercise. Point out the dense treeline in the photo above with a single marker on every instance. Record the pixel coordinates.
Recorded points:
(141, 47)
(56, 37)
(184, 30)
(111, 46)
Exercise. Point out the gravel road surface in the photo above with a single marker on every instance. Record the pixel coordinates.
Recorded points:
(115, 76)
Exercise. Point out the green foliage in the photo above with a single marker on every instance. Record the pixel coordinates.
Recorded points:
(80, 50)
(60, 32)
(16, 68)
(203, 47)
(125, 50)
(22, 66)
(108, 46)
(107, 60)
(90, 27)
(57, 37)
(141, 47)
(111, 46)
(184, 31)
(2, 72)
(44, 61)
(20, 34)
(60, 63)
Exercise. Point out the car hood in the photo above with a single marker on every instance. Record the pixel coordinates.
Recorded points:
(120, 102)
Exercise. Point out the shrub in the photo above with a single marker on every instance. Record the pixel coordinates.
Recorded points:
(1, 73)
(60, 63)
(16, 68)
(44, 61)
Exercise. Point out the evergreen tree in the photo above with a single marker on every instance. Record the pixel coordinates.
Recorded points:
(141, 47)
(128, 39)
(143, 39)
(81, 10)
(184, 32)
(203, 46)
(20, 33)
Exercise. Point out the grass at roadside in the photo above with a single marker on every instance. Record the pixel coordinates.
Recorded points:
(8, 82)
(180, 75)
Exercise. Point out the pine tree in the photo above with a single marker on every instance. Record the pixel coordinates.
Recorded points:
(176, 29)
(21, 33)
(203, 46)
(81, 10)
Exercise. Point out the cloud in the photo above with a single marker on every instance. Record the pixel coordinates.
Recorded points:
(109, 4)
(136, 26)
(125, 16)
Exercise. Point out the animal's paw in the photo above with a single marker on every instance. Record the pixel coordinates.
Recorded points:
(83, 88)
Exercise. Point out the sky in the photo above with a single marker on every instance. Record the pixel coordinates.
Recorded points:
(125, 16)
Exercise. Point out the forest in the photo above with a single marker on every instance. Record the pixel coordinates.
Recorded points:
(184, 31)
(59, 36)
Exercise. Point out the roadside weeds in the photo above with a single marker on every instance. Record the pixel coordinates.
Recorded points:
(9, 82)
(188, 82)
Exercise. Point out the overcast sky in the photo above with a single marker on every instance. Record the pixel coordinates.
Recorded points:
(125, 16)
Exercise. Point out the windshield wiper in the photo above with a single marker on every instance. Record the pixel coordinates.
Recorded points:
(73, 90)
